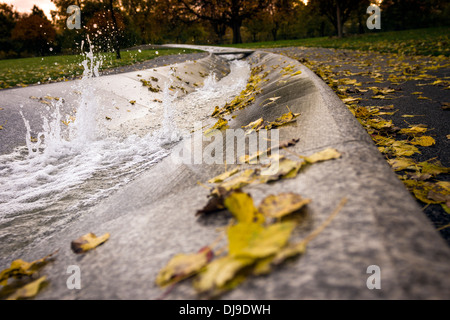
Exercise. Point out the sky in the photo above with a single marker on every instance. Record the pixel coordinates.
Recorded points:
(26, 5)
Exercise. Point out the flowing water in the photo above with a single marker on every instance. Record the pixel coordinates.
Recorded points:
(49, 183)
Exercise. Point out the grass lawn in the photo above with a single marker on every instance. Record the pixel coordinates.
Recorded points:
(26, 71)
(430, 41)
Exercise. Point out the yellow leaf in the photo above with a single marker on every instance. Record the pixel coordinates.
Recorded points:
(433, 168)
(399, 164)
(400, 149)
(219, 125)
(414, 130)
(29, 290)
(88, 242)
(285, 119)
(277, 206)
(252, 240)
(183, 266)
(280, 168)
(240, 204)
(424, 141)
(219, 272)
(223, 176)
(236, 182)
(21, 268)
(254, 126)
(327, 154)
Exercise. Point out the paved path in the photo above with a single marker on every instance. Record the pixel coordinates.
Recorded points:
(421, 87)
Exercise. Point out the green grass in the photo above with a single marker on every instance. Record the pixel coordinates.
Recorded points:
(26, 71)
(430, 41)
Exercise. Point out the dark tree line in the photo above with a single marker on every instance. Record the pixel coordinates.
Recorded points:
(115, 24)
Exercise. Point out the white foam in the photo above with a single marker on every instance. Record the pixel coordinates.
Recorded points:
(68, 169)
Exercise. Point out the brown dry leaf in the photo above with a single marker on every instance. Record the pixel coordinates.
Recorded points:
(183, 266)
(278, 206)
(88, 242)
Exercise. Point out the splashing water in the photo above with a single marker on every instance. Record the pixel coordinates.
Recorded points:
(66, 170)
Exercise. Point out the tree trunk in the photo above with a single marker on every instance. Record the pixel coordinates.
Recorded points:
(236, 26)
(116, 31)
(339, 21)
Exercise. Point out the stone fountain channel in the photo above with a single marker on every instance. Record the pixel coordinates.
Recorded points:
(150, 214)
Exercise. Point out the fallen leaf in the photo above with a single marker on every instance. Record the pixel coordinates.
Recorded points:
(254, 126)
(88, 242)
(19, 268)
(182, 266)
(327, 154)
(399, 164)
(223, 176)
(29, 290)
(220, 272)
(221, 124)
(241, 205)
(285, 119)
(277, 206)
(424, 141)
(414, 130)
(253, 240)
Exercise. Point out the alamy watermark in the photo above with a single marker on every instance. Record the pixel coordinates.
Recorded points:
(74, 280)
(374, 281)
(230, 146)
(74, 20)
(374, 21)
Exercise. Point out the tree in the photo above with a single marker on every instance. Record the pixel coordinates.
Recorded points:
(228, 12)
(279, 12)
(411, 14)
(8, 19)
(35, 32)
(337, 11)
(115, 31)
